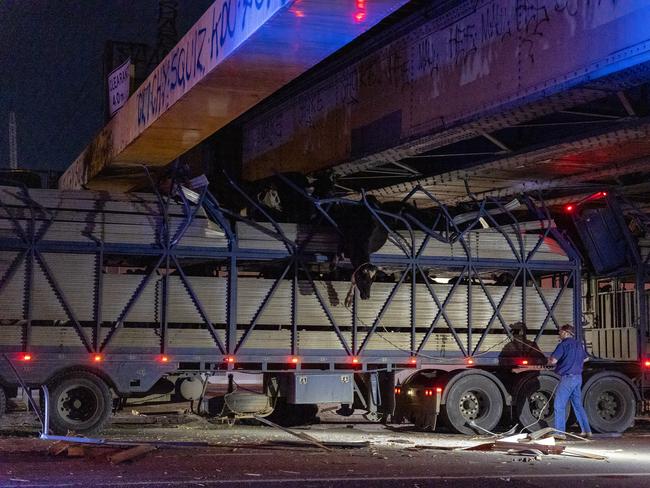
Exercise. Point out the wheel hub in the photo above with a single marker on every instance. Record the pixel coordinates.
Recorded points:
(470, 405)
(608, 405)
(539, 405)
(77, 404)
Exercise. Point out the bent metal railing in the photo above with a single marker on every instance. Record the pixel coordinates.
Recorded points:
(290, 315)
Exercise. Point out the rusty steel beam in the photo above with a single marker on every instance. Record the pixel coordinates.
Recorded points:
(483, 65)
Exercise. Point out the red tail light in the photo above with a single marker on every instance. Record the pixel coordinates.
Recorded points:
(413, 360)
(646, 363)
(469, 361)
(523, 362)
(294, 360)
(569, 208)
(229, 359)
(428, 392)
(26, 357)
(163, 359)
(398, 390)
(355, 360)
(438, 389)
(97, 358)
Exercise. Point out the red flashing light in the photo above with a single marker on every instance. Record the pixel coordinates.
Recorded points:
(360, 15)
(438, 389)
(646, 363)
(413, 360)
(428, 392)
(569, 208)
(97, 358)
(26, 357)
(523, 362)
(295, 360)
(229, 359)
(355, 360)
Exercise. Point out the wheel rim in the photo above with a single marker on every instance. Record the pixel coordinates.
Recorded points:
(609, 405)
(539, 405)
(472, 405)
(77, 404)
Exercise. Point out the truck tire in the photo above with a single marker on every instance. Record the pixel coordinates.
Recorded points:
(473, 398)
(534, 398)
(79, 402)
(610, 403)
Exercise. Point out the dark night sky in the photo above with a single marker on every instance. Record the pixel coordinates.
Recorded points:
(51, 64)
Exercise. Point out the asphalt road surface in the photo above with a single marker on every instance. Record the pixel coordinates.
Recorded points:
(260, 456)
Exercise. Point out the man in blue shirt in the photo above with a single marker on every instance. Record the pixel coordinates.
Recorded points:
(568, 359)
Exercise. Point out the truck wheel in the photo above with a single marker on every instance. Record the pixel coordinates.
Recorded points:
(79, 402)
(610, 404)
(473, 399)
(534, 402)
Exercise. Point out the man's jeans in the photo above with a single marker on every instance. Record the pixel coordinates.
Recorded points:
(569, 389)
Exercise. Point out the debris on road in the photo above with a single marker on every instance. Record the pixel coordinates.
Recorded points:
(131, 454)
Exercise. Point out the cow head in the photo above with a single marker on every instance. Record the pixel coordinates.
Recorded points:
(363, 278)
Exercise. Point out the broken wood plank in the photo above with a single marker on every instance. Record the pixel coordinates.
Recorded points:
(131, 454)
(57, 448)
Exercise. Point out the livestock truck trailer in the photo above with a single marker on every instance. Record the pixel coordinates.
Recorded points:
(107, 296)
